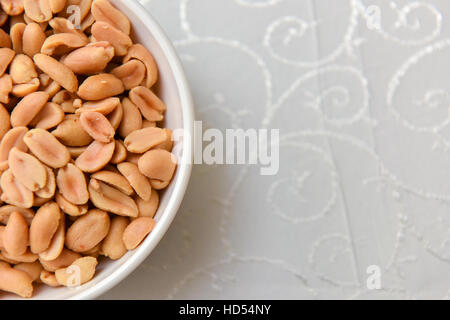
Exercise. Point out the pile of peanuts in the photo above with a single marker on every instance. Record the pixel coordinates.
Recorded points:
(82, 152)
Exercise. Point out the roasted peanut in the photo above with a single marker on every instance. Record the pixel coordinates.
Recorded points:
(23, 89)
(148, 208)
(33, 38)
(120, 153)
(48, 191)
(96, 156)
(6, 57)
(116, 116)
(91, 59)
(157, 164)
(71, 133)
(28, 108)
(102, 10)
(88, 231)
(65, 259)
(113, 246)
(105, 106)
(38, 10)
(16, 34)
(142, 140)
(138, 51)
(83, 5)
(72, 184)
(33, 269)
(114, 179)
(103, 31)
(132, 119)
(100, 86)
(149, 104)
(136, 179)
(50, 116)
(15, 235)
(5, 40)
(15, 281)
(27, 257)
(62, 43)
(12, 7)
(136, 232)
(70, 208)
(47, 148)
(110, 199)
(44, 226)
(57, 71)
(78, 273)
(57, 243)
(57, 5)
(4, 121)
(13, 138)
(27, 169)
(7, 210)
(14, 192)
(6, 87)
(97, 126)
(22, 69)
(49, 279)
(131, 73)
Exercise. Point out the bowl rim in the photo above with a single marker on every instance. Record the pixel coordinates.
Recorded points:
(185, 165)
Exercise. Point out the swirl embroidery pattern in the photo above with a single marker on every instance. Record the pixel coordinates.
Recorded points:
(360, 91)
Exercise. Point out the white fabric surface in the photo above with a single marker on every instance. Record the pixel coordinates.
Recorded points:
(365, 152)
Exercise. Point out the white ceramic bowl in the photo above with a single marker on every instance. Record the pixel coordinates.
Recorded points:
(174, 91)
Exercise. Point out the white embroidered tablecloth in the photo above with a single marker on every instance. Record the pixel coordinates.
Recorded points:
(360, 90)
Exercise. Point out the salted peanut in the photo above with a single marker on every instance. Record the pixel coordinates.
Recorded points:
(148, 124)
(66, 100)
(62, 43)
(28, 170)
(103, 31)
(7, 210)
(50, 116)
(90, 59)
(2, 230)
(94, 252)
(38, 10)
(27, 257)
(148, 208)
(6, 87)
(62, 25)
(105, 106)
(15, 235)
(84, 7)
(102, 10)
(15, 281)
(116, 116)
(120, 153)
(136, 232)
(97, 126)
(151, 107)
(88, 231)
(57, 71)
(131, 73)
(23, 89)
(38, 201)
(28, 108)
(47, 148)
(52, 89)
(57, 244)
(14, 192)
(12, 139)
(168, 144)
(132, 118)
(142, 140)
(12, 7)
(114, 179)
(133, 158)
(100, 86)
(33, 269)
(16, 34)
(70, 208)
(22, 69)
(6, 57)
(78, 273)
(113, 246)
(4, 121)
(112, 200)
(57, 5)
(75, 152)
(5, 40)
(65, 259)
(48, 191)
(49, 279)
(157, 164)
(139, 52)
(44, 226)
(33, 38)
(136, 179)
(159, 184)
(96, 156)
(72, 184)
(4, 259)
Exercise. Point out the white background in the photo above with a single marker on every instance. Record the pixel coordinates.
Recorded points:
(365, 160)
